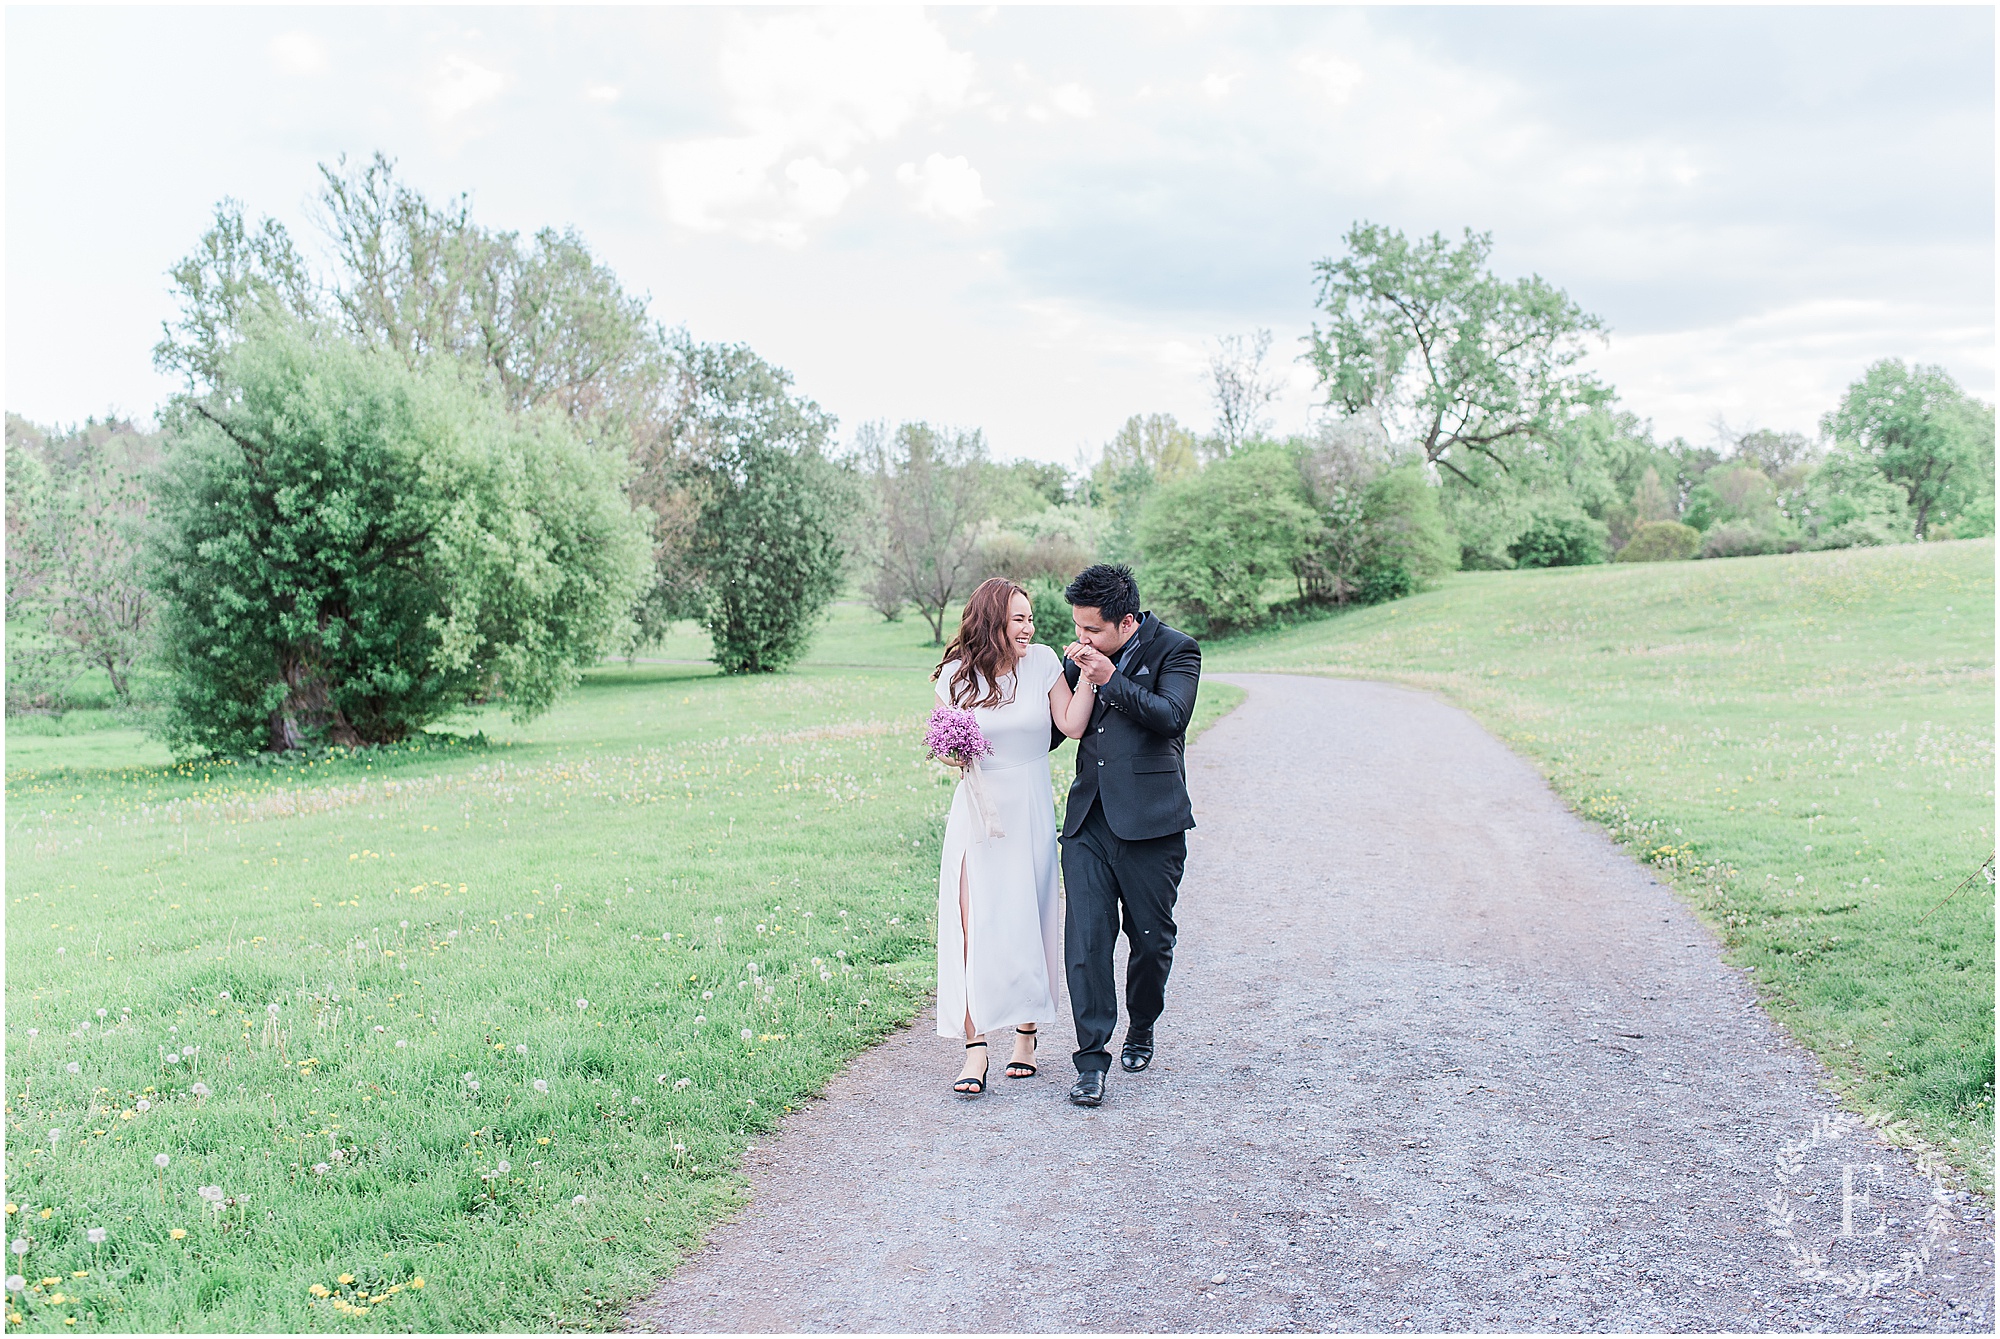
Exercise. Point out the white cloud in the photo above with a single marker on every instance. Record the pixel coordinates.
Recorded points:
(813, 89)
(298, 53)
(1215, 85)
(705, 181)
(606, 93)
(819, 189)
(1337, 78)
(839, 78)
(460, 83)
(947, 188)
(1072, 100)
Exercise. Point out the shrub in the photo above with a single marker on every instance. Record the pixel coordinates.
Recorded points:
(1053, 624)
(1742, 539)
(1560, 539)
(346, 550)
(1209, 542)
(1661, 542)
(1407, 545)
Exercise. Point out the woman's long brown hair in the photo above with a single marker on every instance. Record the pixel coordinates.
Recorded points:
(981, 646)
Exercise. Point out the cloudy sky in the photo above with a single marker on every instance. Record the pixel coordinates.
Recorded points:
(1036, 220)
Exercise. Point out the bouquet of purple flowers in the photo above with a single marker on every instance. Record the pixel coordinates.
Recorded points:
(954, 736)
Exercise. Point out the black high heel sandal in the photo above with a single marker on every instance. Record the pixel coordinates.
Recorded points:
(1027, 1067)
(978, 1083)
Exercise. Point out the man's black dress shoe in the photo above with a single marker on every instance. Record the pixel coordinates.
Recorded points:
(1138, 1052)
(1088, 1090)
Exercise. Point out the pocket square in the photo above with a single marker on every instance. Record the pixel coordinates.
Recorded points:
(1142, 672)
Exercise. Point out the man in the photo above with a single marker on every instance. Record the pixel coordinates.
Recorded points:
(1124, 838)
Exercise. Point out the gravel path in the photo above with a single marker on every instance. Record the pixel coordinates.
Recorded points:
(1437, 1056)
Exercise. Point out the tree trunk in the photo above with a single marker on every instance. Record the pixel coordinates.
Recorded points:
(307, 711)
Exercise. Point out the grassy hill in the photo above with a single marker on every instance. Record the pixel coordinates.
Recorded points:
(1802, 743)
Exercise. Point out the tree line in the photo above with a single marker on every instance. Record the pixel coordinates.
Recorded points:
(458, 466)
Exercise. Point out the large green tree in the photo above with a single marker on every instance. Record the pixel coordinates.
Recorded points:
(769, 545)
(1209, 542)
(1452, 359)
(346, 549)
(1923, 433)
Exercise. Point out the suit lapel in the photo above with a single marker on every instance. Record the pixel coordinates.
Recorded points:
(1135, 651)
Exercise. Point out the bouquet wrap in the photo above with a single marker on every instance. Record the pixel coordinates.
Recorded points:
(954, 736)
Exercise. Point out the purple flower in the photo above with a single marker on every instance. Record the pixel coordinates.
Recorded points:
(954, 734)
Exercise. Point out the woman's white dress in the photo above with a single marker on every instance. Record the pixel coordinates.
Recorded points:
(1015, 951)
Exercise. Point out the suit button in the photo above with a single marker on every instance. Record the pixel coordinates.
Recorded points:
(1100, 762)
(1100, 729)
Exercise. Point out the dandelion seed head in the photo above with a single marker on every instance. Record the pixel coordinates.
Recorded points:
(637, 1103)
(223, 995)
(161, 1160)
(708, 994)
(200, 1090)
(681, 1083)
(473, 1085)
(55, 1136)
(271, 1009)
(96, 1235)
(745, 1034)
(142, 1106)
(73, 1067)
(699, 1019)
(213, 1194)
(20, 1246)
(580, 1199)
(541, 1085)
(321, 1169)
(15, 1283)
(103, 1013)
(34, 1032)
(582, 1003)
(520, 1050)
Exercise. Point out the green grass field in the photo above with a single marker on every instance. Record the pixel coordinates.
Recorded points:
(1804, 744)
(501, 1019)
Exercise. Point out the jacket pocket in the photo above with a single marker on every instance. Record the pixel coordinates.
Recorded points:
(1165, 763)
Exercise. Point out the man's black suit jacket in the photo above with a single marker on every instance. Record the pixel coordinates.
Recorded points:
(1132, 755)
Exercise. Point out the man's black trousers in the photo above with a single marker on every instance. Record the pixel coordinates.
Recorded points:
(1111, 882)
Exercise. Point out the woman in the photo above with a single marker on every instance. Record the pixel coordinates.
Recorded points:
(999, 906)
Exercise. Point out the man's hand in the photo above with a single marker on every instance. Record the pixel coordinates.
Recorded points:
(1094, 664)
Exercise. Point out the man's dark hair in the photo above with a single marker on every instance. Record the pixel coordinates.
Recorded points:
(1109, 588)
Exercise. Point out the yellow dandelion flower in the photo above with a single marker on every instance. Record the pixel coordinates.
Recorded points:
(345, 1279)
(79, 1274)
(69, 1320)
(543, 1140)
(319, 1290)
(14, 1318)
(57, 1297)
(417, 1282)
(13, 1208)
(48, 1213)
(178, 1233)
